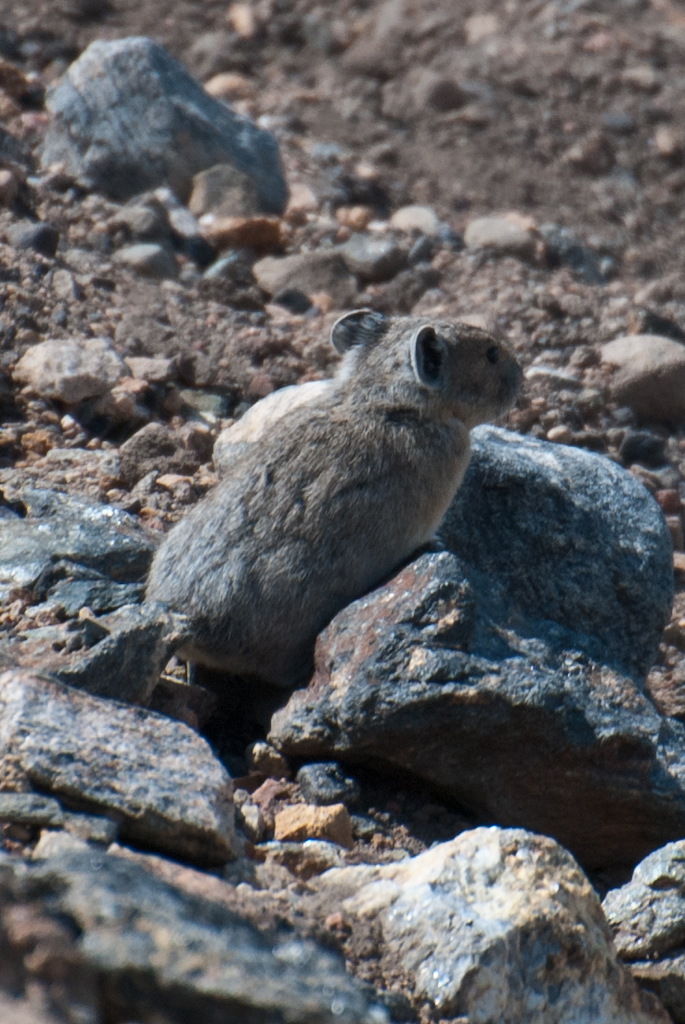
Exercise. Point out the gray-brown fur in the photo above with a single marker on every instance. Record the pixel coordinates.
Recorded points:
(337, 494)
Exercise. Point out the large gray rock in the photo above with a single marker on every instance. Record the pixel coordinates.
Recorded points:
(127, 117)
(58, 537)
(123, 943)
(571, 537)
(497, 926)
(510, 677)
(155, 776)
(647, 917)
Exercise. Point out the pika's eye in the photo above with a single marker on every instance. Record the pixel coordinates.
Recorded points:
(492, 354)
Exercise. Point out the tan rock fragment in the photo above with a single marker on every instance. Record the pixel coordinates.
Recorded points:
(307, 821)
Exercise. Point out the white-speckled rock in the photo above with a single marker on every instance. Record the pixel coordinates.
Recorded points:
(499, 926)
(70, 369)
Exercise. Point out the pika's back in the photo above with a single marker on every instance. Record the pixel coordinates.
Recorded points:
(322, 498)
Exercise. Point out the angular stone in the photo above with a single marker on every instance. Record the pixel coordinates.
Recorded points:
(260, 234)
(31, 809)
(325, 783)
(157, 448)
(155, 370)
(571, 537)
(649, 376)
(647, 917)
(127, 117)
(155, 776)
(120, 655)
(304, 859)
(519, 662)
(307, 821)
(70, 369)
(129, 941)
(225, 191)
(145, 219)
(323, 270)
(60, 533)
(498, 926)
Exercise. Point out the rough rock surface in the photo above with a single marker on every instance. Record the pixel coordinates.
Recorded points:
(128, 117)
(571, 538)
(433, 674)
(647, 917)
(51, 536)
(120, 655)
(497, 926)
(70, 369)
(113, 940)
(155, 776)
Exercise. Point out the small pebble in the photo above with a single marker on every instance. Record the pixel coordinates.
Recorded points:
(42, 238)
(149, 260)
(416, 218)
(325, 783)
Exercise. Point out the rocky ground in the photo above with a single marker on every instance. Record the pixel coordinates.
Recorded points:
(164, 265)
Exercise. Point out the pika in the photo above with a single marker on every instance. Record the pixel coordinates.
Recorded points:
(322, 498)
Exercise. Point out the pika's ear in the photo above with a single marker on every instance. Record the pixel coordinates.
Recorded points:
(428, 356)
(361, 327)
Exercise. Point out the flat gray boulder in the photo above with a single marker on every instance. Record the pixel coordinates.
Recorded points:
(127, 117)
(155, 776)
